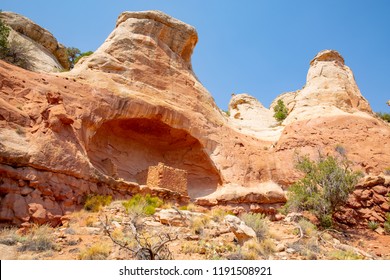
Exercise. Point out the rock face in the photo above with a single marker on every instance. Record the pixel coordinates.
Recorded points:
(368, 202)
(249, 116)
(136, 102)
(44, 52)
(330, 90)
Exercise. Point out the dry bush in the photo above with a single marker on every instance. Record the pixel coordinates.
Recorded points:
(140, 243)
(95, 202)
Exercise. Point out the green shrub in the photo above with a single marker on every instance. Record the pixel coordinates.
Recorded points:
(280, 110)
(324, 188)
(82, 55)
(4, 32)
(258, 222)
(94, 202)
(145, 205)
(384, 116)
(372, 225)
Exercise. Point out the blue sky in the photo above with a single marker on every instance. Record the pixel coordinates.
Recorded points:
(258, 47)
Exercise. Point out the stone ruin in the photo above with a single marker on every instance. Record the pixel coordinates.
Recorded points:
(166, 177)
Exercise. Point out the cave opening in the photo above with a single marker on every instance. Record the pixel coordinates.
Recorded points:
(125, 148)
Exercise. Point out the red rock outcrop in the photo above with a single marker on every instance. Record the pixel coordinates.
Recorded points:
(136, 102)
(133, 103)
(368, 202)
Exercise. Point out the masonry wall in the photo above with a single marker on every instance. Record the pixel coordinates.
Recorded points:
(167, 177)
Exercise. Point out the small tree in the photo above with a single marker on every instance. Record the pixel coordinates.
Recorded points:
(280, 110)
(19, 54)
(88, 53)
(73, 53)
(4, 32)
(324, 188)
(384, 116)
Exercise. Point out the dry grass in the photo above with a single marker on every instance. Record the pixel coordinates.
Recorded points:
(98, 251)
(344, 255)
(258, 222)
(40, 238)
(198, 224)
(217, 214)
(9, 237)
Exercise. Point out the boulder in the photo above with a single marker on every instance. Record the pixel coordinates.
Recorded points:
(242, 232)
(176, 217)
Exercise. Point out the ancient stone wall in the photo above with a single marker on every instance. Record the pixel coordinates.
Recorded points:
(167, 177)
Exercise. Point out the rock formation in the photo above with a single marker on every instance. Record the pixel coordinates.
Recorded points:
(330, 89)
(136, 102)
(250, 117)
(43, 51)
(368, 202)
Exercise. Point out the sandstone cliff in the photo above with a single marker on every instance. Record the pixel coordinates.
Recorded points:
(42, 50)
(136, 103)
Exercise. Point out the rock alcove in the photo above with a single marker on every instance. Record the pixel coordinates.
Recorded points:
(125, 148)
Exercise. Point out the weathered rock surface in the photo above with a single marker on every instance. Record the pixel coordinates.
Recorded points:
(249, 116)
(242, 232)
(136, 102)
(330, 89)
(44, 52)
(368, 202)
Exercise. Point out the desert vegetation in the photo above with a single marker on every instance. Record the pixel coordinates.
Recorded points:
(74, 55)
(280, 110)
(384, 116)
(325, 186)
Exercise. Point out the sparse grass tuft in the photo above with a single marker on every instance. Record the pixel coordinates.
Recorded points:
(39, 239)
(9, 237)
(198, 224)
(189, 207)
(218, 214)
(98, 251)
(344, 255)
(258, 222)
(308, 229)
(372, 225)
